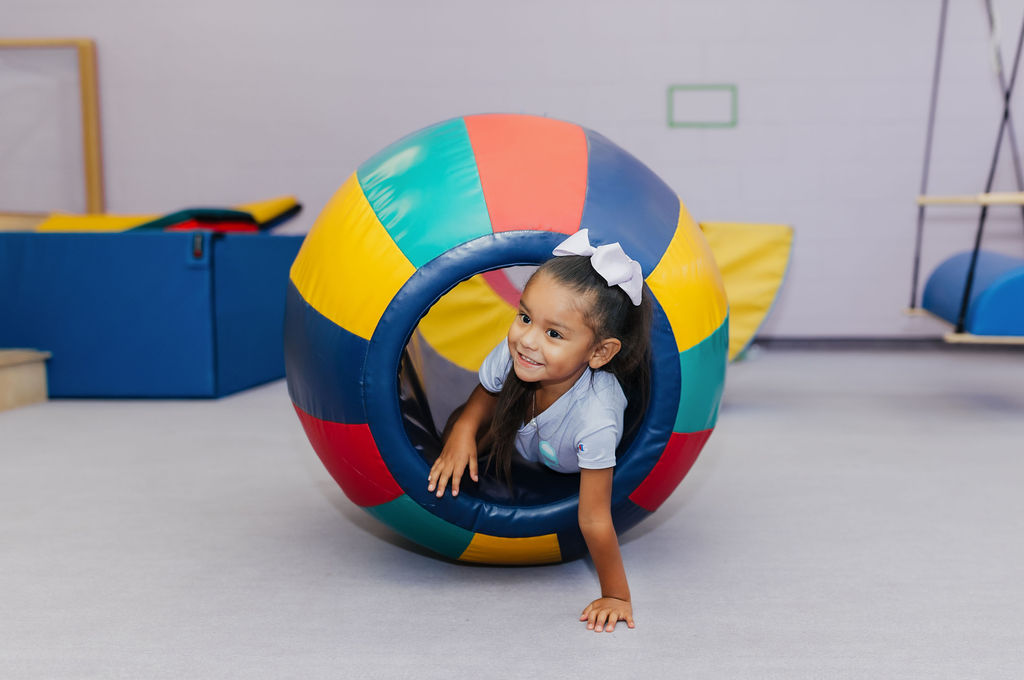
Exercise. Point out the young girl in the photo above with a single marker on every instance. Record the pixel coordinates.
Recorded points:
(553, 392)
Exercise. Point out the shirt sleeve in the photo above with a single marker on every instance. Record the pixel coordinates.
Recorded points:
(601, 428)
(595, 450)
(495, 367)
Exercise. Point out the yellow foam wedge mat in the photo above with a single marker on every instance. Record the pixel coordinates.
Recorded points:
(93, 223)
(264, 211)
(753, 259)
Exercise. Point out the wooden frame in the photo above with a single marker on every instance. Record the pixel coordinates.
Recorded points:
(1001, 198)
(92, 155)
(22, 377)
(966, 338)
(970, 338)
(20, 221)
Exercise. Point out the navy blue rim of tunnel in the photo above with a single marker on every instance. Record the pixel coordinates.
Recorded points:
(380, 395)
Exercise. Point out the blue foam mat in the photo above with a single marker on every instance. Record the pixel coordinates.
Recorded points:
(137, 314)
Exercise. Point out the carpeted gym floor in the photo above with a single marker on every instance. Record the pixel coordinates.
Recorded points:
(855, 514)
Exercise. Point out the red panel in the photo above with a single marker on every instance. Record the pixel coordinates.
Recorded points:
(500, 284)
(350, 455)
(191, 224)
(533, 171)
(676, 460)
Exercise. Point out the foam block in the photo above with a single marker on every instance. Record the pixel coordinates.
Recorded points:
(148, 314)
(997, 297)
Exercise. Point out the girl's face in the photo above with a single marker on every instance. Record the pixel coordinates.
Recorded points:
(549, 340)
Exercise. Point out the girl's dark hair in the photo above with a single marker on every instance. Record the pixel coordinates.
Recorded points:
(609, 313)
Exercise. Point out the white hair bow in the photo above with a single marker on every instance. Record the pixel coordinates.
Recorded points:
(610, 261)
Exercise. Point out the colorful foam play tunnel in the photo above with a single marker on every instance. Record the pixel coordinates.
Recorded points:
(397, 294)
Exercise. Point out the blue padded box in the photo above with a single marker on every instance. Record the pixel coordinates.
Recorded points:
(148, 314)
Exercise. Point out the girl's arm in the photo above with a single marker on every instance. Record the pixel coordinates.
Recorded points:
(459, 450)
(595, 516)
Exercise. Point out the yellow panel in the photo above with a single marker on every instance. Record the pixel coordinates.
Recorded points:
(499, 550)
(264, 211)
(467, 323)
(753, 259)
(94, 223)
(348, 268)
(688, 285)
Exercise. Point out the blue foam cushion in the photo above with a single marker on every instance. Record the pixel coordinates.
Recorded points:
(997, 297)
(139, 314)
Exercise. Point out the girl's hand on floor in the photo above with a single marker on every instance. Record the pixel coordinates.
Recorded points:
(603, 613)
(457, 455)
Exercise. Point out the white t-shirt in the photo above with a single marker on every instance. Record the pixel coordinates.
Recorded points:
(580, 430)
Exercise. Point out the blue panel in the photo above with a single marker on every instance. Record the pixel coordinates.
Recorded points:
(250, 280)
(425, 287)
(628, 203)
(571, 544)
(627, 515)
(323, 363)
(994, 272)
(124, 315)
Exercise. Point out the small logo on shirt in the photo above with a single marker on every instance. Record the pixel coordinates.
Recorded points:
(548, 452)
(580, 448)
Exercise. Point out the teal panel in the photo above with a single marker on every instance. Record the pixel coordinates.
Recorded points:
(702, 369)
(408, 518)
(425, 189)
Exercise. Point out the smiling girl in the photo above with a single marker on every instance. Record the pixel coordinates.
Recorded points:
(555, 390)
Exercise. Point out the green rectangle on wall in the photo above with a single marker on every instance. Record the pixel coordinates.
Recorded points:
(702, 106)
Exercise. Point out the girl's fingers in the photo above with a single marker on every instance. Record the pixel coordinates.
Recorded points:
(604, 619)
(440, 482)
(443, 471)
(457, 473)
(435, 474)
